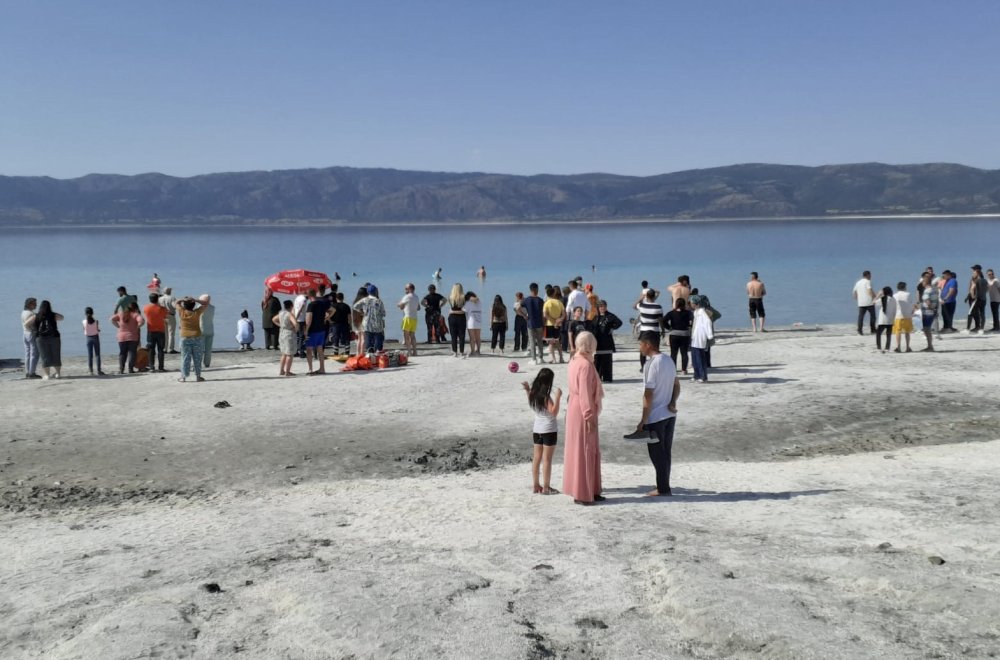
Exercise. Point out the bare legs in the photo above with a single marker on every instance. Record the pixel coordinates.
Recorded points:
(899, 341)
(555, 346)
(286, 365)
(410, 342)
(475, 341)
(542, 458)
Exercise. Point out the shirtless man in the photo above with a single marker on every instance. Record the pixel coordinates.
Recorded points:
(680, 289)
(756, 293)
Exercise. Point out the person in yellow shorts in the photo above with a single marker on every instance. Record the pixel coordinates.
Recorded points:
(410, 306)
(554, 313)
(903, 325)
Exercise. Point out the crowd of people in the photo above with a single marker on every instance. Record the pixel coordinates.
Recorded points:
(320, 322)
(891, 311)
(570, 320)
(162, 316)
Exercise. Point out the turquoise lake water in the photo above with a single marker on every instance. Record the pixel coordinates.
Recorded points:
(808, 266)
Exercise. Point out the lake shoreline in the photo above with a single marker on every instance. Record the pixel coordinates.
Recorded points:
(547, 222)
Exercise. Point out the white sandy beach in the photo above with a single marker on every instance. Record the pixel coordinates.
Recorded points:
(390, 514)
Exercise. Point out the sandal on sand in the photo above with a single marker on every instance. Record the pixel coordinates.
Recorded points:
(581, 502)
(599, 498)
(182, 380)
(549, 491)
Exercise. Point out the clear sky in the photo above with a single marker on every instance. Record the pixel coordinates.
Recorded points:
(632, 87)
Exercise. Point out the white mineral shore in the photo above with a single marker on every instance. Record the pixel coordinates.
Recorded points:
(818, 486)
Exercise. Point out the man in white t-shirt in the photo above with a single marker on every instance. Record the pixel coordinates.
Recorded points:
(576, 299)
(866, 301)
(661, 387)
(410, 306)
(903, 325)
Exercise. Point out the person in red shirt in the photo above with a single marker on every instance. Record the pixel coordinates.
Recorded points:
(156, 329)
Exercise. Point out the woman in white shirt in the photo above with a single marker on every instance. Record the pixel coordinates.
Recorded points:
(701, 336)
(885, 315)
(474, 322)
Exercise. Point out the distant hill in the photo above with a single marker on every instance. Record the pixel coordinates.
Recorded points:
(360, 196)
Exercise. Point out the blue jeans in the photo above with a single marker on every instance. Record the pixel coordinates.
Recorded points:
(30, 354)
(93, 350)
(374, 341)
(698, 362)
(192, 349)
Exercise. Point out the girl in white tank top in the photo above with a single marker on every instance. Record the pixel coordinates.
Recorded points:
(545, 402)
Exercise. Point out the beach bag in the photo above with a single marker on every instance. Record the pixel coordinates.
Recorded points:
(357, 363)
(713, 314)
(391, 359)
(142, 359)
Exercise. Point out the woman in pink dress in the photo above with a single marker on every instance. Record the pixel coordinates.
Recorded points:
(582, 459)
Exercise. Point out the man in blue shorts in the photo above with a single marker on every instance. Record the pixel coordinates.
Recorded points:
(316, 312)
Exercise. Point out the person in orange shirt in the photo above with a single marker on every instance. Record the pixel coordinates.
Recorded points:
(156, 329)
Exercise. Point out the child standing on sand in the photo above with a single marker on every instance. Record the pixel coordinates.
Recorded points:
(92, 331)
(545, 402)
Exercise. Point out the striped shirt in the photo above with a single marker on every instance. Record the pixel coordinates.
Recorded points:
(650, 315)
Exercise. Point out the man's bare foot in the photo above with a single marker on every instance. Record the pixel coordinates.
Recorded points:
(549, 490)
(656, 493)
(536, 489)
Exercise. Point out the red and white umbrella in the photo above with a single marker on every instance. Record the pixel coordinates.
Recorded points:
(293, 282)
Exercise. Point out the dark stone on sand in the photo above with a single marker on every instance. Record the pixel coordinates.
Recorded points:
(541, 567)
(589, 622)
(248, 583)
(476, 585)
(222, 404)
(729, 575)
(884, 546)
(212, 587)
(937, 561)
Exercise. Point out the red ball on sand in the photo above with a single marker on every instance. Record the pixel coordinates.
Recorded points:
(513, 367)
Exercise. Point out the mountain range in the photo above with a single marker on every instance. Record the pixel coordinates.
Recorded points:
(344, 195)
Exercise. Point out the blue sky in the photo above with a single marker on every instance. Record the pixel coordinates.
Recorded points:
(506, 86)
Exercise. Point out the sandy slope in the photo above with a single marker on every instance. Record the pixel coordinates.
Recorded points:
(349, 505)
